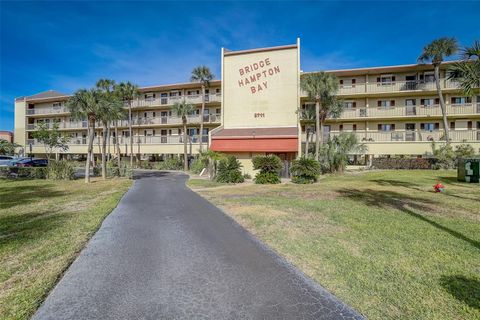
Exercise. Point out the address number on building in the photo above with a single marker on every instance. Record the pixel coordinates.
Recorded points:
(259, 115)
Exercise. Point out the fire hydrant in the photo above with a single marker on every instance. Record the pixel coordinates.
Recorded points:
(439, 187)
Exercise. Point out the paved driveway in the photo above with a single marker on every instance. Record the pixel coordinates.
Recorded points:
(166, 253)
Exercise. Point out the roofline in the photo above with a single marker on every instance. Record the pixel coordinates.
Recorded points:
(401, 66)
(227, 52)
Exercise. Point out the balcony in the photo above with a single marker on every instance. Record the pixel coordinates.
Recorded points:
(411, 136)
(166, 139)
(42, 111)
(164, 101)
(167, 120)
(395, 86)
(410, 111)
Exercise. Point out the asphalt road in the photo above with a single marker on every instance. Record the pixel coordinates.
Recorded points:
(166, 253)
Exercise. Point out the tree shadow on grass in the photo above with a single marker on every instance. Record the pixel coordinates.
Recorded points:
(12, 195)
(415, 186)
(389, 199)
(463, 289)
(22, 228)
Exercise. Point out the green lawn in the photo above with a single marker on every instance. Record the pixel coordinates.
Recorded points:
(43, 226)
(381, 241)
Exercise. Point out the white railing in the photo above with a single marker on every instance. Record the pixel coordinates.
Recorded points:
(47, 111)
(163, 101)
(167, 139)
(396, 86)
(409, 136)
(407, 111)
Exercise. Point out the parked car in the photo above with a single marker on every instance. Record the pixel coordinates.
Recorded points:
(13, 162)
(5, 161)
(32, 163)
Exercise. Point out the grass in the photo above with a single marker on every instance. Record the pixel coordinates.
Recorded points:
(43, 225)
(204, 183)
(382, 241)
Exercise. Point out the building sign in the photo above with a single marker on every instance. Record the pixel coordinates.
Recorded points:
(255, 75)
(260, 87)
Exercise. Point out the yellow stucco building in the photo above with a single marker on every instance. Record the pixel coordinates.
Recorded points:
(253, 109)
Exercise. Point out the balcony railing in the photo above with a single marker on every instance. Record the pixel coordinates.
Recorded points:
(166, 139)
(193, 119)
(396, 86)
(47, 111)
(407, 111)
(409, 136)
(161, 101)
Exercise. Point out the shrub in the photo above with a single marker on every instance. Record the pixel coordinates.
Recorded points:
(247, 176)
(305, 170)
(174, 163)
(269, 167)
(197, 166)
(5, 172)
(335, 153)
(144, 164)
(464, 151)
(96, 170)
(402, 163)
(444, 156)
(123, 171)
(61, 170)
(267, 178)
(228, 170)
(32, 172)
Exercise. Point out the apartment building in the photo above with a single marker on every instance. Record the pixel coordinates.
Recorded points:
(253, 110)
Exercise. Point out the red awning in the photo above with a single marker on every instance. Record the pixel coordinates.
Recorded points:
(255, 145)
(256, 140)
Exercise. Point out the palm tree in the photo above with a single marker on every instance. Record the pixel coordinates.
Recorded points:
(86, 104)
(128, 91)
(108, 102)
(467, 71)
(182, 110)
(203, 75)
(308, 117)
(435, 52)
(322, 87)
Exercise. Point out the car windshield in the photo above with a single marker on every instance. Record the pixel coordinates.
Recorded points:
(24, 160)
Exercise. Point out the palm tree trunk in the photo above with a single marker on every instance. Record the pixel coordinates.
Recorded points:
(185, 161)
(117, 143)
(317, 129)
(130, 132)
(104, 151)
(91, 130)
(442, 102)
(306, 142)
(108, 142)
(201, 118)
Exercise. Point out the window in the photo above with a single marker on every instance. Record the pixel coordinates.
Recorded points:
(149, 96)
(386, 127)
(193, 92)
(349, 105)
(386, 79)
(218, 110)
(461, 100)
(341, 128)
(386, 103)
(348, 83)
(410, 102)
(478, 125)
(428, 76)
(429, 126)
(175, 94)
(469, 125)
(217, 90)
(430, 102)
(354, 127)
(452, 125)
(57, 105)
(410, 78)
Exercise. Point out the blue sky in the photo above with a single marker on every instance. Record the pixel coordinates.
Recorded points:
(68, 45)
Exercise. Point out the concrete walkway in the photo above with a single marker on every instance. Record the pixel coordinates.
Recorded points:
(166, 253)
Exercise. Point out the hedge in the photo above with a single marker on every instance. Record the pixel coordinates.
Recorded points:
(403, 163)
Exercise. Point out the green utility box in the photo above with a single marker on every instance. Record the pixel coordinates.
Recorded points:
(469, 170)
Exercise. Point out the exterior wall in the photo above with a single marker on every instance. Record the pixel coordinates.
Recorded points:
(272, 99)
(19, 123)
(6, 135)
